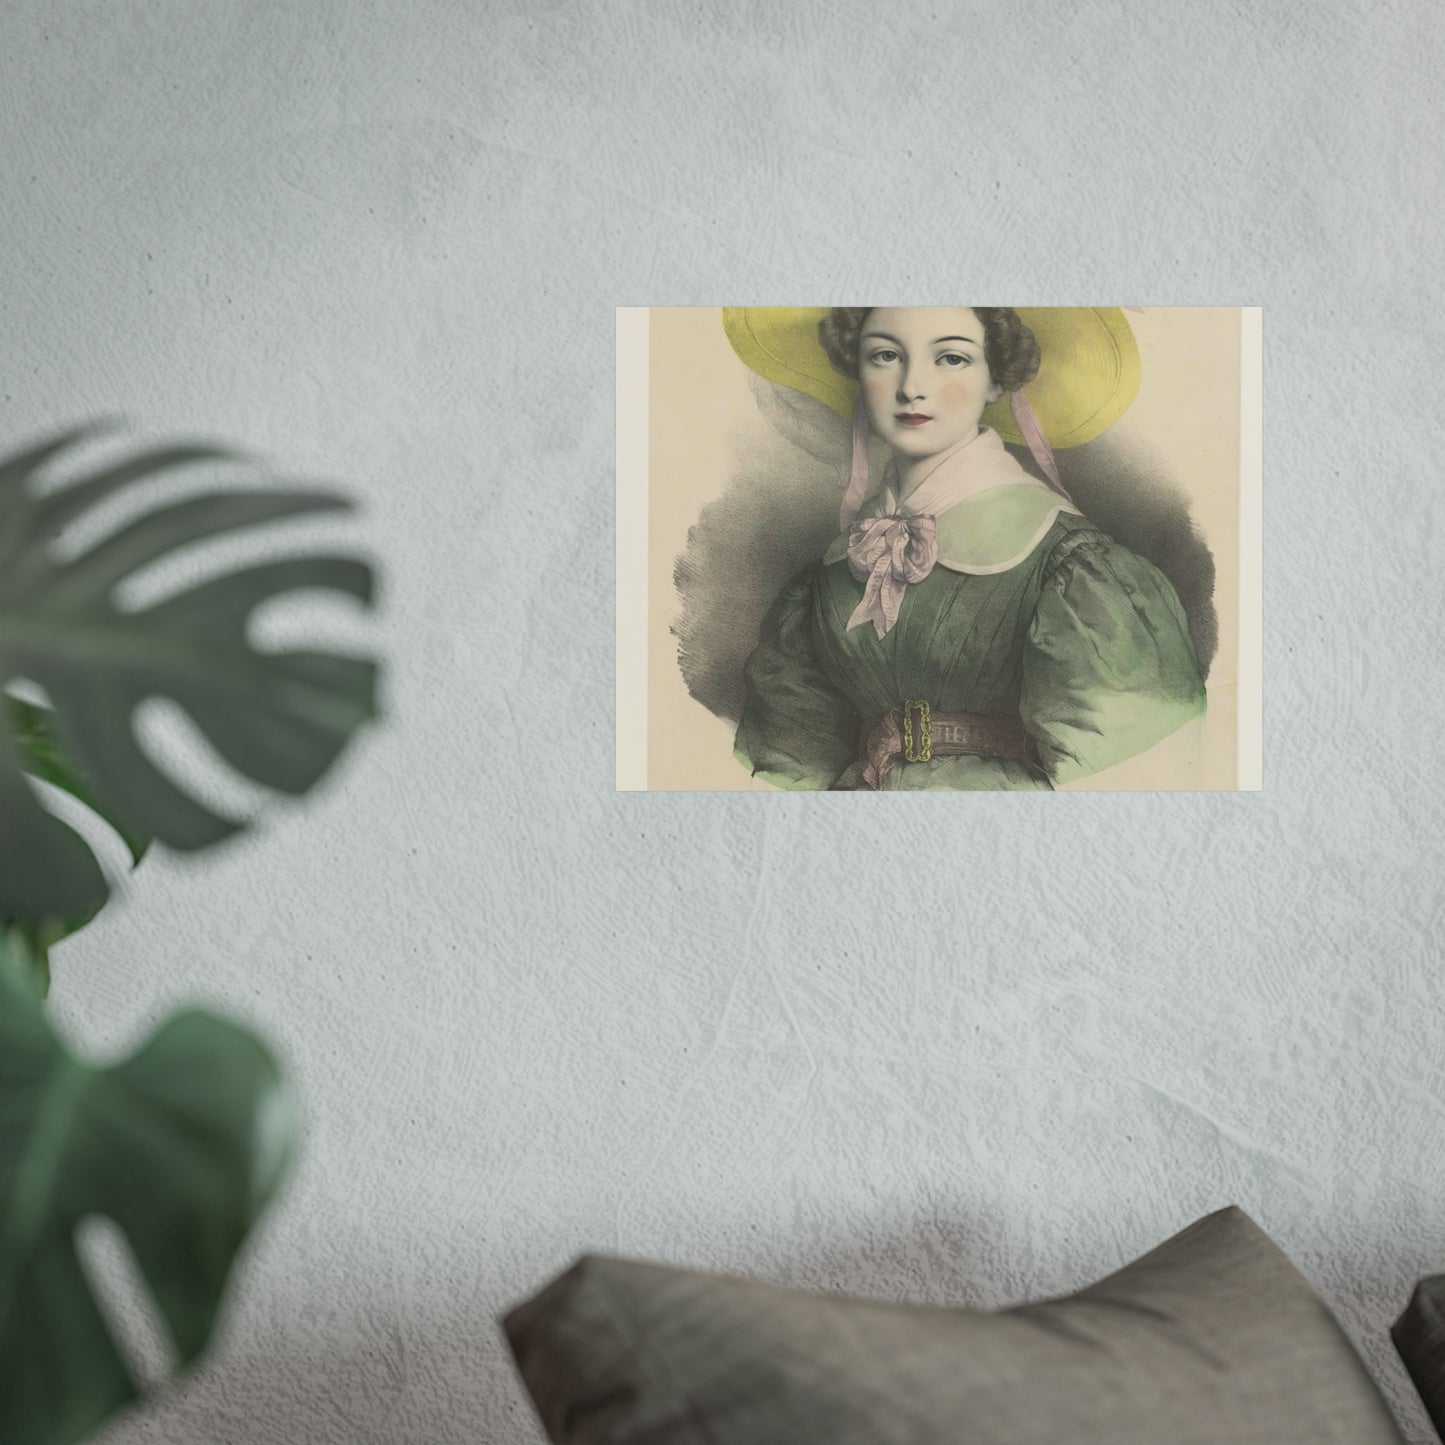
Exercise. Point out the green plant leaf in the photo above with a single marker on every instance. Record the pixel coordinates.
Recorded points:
(26, 955)
(280, 718)
(35, 731)
(42, 755)
(182, 1144)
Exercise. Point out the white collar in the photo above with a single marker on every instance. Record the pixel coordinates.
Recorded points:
(975, 467)
(990, 513)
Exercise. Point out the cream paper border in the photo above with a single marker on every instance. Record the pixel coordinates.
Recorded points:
(633, 333)
(1182, 763)
(1251, 562)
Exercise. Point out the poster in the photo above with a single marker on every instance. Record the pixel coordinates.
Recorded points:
(835, 572)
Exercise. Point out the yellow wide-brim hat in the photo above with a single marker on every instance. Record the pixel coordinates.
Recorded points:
(1088, 371)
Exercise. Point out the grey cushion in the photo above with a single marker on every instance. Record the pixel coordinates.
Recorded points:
(1212, 1337)
(1419, 1336)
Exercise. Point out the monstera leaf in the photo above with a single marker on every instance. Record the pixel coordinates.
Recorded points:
(182, 1145)
(34, 731)
(38, 738)
(280, 718)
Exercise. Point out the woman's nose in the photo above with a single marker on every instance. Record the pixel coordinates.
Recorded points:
(910, 384)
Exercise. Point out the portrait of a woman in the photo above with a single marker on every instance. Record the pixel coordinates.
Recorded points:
(969, 627)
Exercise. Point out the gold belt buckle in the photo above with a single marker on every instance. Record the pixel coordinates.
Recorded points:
(917, 738)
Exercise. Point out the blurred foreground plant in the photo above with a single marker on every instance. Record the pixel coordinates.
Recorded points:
(184, 1143)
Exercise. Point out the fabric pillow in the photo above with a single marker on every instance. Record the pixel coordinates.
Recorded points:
(1419, 1336)
(1213, 1338)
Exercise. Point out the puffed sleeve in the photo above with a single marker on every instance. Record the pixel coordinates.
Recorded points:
(1109, 668)
(797, 730)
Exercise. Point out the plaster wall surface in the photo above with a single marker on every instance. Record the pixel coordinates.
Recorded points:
(964, 1050)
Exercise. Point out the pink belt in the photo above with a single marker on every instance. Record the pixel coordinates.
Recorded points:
(916, 733)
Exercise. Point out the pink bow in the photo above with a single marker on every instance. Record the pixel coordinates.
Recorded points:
(886, 554)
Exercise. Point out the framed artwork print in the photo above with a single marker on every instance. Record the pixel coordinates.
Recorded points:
(934, 548)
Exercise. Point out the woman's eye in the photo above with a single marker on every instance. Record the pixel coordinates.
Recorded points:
(954, 358)
(884, 356)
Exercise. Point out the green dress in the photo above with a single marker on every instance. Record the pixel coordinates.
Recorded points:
(1081, 639)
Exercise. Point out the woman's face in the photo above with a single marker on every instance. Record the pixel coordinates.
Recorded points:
(924, 377)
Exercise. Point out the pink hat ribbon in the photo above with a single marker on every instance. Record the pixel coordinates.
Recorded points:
(1033, 434)
(857, 467)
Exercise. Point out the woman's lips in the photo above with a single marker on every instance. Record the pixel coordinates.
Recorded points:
(912, 418)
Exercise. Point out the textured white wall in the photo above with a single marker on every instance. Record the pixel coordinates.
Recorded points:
(383, 243)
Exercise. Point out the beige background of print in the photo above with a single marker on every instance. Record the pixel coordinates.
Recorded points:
(701, 415)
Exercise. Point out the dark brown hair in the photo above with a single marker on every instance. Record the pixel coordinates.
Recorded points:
(1009, 346)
